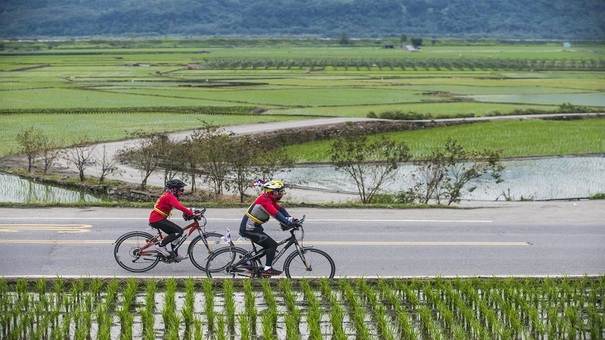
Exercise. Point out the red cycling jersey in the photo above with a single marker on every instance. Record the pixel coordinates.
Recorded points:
(163, 207)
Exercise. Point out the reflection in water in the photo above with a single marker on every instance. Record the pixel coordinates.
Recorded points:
(17, 190)
(538, 179)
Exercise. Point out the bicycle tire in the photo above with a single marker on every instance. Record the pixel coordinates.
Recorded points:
(126, 248)
(198, 254)
(219, 261)
(322, 265)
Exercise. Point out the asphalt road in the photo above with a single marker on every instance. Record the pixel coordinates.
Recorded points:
(497, 239)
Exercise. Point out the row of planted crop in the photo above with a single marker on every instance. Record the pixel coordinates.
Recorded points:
(304, 309)
(405, 64)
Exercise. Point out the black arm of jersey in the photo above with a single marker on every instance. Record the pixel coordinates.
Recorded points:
(282, 218)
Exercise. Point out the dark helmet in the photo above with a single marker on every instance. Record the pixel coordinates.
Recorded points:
(175, 184)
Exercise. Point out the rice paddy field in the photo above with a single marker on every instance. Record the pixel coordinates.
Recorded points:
(102, 93)
(400, 308)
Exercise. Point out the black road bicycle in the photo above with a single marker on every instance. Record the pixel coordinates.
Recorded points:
(303, 261)
(135, 252)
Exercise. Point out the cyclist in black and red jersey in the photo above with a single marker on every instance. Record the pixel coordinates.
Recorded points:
(159, 217)
(265, 206)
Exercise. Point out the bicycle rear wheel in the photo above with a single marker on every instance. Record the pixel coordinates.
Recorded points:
(320, 264)
(221, 263)
(128, 254)
(198, 253)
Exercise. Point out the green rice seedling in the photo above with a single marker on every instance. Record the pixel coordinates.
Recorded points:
(148, 322)
(150, 290)
(356, 310)
(428, 326)
(377, 307)
(95, 287)
(169, 315)
(221, 333)
(188, 308)
(77, 289)
(313, 312)
(229, 309)
(269, 330)
(129, 294)
(292, 316)
(209, 302)
(573, 321)
(270, 300)
(250, 305)
(244, 326)
(111, 294)
(103, 323)
(337, 312)
(404, 326)
(126, 323)
(198, 334)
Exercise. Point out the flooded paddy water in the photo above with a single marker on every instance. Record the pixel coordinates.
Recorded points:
(524, 179)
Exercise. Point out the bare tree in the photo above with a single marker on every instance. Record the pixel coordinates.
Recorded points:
(246, 166)
(212, 146)
(81, 155)
(451, 169)
(108, 165)
(369, 163)
(146, 156)
(50, 154)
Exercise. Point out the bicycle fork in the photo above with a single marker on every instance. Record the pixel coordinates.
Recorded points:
(304, 259)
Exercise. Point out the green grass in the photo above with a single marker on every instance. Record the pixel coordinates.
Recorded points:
(515, 139)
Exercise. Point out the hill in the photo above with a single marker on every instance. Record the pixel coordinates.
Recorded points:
(504, 19)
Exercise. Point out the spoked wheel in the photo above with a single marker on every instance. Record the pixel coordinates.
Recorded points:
(129, 256)
(320, 264)
(198, 253)
(220, 263)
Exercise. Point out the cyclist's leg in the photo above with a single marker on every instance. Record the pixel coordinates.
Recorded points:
(262, 239)
(170, 228)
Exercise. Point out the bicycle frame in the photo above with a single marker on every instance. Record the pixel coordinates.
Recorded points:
(188, 230)
(256, 254)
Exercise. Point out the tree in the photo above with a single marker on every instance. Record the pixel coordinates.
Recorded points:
(81, 155)
(212, 148)
(50, 153)
(369, 163)
(107, 164)
(416, 42)
(31, 142)
(246, 165)
(146, 155)
(450, 169)
(344, 39)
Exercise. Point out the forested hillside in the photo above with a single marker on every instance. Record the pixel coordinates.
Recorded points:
(506, 19)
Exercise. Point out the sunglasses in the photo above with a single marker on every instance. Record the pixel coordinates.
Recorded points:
(181, 190)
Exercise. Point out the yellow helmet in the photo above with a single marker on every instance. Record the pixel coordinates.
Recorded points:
(273, 185)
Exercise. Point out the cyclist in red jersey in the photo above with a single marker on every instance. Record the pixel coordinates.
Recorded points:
(265, 206)
(159, 217)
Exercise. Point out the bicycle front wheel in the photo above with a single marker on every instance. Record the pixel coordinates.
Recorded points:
(198, 252)
(319, 264)
(128, 254)
(221, 262)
